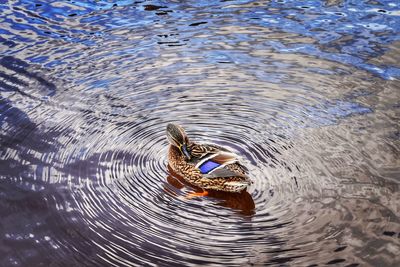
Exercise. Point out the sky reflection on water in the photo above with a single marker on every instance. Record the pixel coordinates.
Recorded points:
(305, 91)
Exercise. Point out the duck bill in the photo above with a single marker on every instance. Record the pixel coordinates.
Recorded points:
(186, 152)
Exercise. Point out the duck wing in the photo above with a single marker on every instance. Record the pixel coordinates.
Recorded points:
(224, 173)
(217, 162)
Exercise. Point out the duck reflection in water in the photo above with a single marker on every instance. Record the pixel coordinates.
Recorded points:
(242, 201)
(211, 168)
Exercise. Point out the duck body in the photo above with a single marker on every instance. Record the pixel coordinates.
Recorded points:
(207, 166)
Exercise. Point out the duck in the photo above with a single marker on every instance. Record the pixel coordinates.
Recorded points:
(206, 166)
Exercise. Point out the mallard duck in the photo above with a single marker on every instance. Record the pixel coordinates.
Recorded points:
(207, 166)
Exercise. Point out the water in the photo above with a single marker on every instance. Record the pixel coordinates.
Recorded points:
(307, 92)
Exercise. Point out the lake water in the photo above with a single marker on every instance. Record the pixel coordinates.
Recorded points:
(307, 92)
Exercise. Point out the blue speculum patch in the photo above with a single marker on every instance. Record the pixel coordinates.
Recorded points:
(208, 166)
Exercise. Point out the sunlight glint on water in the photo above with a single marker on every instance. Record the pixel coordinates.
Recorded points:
(306, 93)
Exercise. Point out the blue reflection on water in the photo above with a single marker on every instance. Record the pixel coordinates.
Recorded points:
(330, 112)
(351, 32)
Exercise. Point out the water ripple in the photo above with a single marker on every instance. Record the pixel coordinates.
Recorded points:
(306, 93)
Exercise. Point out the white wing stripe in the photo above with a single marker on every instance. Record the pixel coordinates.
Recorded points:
(232, 155)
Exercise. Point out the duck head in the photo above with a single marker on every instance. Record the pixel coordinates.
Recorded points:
(178, 138)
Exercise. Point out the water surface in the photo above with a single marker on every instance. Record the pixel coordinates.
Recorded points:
(306, 92)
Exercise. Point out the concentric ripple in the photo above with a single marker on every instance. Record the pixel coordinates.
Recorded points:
(87, 89)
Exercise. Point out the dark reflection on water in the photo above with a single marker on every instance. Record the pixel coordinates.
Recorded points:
(306, 92)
